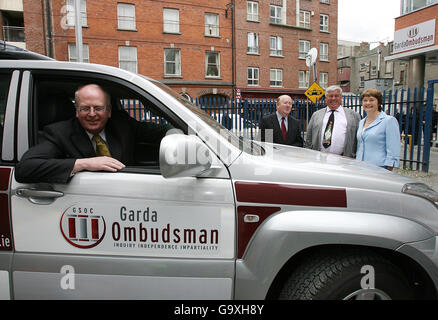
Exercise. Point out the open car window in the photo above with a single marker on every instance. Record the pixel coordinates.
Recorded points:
(53, 100)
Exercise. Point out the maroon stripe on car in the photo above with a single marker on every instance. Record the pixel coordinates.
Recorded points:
(4, 178)
(257, 192)
(247, 229)
(6, 241)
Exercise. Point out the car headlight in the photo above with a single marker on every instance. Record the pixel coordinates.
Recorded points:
(421, 190)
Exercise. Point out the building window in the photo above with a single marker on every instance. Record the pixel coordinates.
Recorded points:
(252, 11)
(304, 48)
(323, 51)
(212, 24)
(275, 14)
(323, 79)
(324, 22)
(389, 66)
(253, 42)
(72, 54)
(172, 62)
(71, 13)
(126, 16)
(128, 58)
(304, 19)
(212, 61)
(303, 79)
(402, 77)
(276, 46)
(276, 77)
(171, 20)
(253, 76)
(324, 1)
(412, 5)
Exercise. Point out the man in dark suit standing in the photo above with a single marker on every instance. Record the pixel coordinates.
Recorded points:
(280, 127)
(98, 139)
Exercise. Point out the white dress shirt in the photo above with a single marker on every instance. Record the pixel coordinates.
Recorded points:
(339, 131)
(101, 134)
(279, 116)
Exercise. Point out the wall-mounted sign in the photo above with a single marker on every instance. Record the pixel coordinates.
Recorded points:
(414, 37)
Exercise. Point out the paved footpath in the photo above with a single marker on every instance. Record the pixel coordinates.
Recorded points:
(430, 178)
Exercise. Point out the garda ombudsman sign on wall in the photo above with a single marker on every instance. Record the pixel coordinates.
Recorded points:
(414, 37)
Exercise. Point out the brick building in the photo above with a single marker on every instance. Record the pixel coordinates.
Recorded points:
(186, 45)
(200, 48)
(272, 39)
(415, 43)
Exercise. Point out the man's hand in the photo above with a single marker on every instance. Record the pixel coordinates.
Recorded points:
(97, 164)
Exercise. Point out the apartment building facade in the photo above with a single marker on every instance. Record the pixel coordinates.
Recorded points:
(185, 44)
(11, 22)
(272, 40)
(200, 48)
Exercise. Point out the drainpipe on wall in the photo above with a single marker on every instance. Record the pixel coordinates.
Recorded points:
(297, 23)
(48, 32)
(233, 51)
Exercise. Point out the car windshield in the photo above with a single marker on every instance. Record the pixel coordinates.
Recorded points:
(246, 145)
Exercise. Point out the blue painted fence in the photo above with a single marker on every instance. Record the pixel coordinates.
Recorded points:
(408, 106)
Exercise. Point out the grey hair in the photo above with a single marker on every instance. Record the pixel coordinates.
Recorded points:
(333, 88)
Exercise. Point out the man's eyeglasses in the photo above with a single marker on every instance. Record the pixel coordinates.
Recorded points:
(87, 109)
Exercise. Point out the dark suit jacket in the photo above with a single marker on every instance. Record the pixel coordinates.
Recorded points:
(293, 137)
(52, 160)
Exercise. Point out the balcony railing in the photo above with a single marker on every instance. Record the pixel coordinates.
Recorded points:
(13, 34)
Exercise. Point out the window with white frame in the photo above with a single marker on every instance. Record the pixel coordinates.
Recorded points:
(323, 51)
(275, 14)
(170, 20)
(304, 19)
(212, 64)
(253, 42)
(72, 53)
(276, 77)
(71, 13)
(126, 16)
(212, 24)
(323, 79)
(252, 11)
(128, 58)
(324, 1)
(324, 22)
(303, 79)
(276, 46)
(172, 62)
(253, 76)
(304, 47)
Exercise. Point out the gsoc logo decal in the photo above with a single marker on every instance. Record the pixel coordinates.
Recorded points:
(82, 228)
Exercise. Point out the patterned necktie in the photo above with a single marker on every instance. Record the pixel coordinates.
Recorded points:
(101, 148)
(327, 139)
(283, 129)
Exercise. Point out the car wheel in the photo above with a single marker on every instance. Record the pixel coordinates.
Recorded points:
(347, 275)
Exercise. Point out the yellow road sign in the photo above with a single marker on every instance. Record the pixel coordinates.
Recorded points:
(315, 92)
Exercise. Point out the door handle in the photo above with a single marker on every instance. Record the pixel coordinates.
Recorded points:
(39, 196)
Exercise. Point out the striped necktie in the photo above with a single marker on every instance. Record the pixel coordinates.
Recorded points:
(101, 148)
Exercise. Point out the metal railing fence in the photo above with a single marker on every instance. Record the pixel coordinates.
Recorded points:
(415, 115)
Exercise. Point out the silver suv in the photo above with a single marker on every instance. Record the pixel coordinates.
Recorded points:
(204, 214)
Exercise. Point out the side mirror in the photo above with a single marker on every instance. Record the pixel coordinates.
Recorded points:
(183, 156)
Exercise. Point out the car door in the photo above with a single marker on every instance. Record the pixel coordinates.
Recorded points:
(126, 235)
(8, 92)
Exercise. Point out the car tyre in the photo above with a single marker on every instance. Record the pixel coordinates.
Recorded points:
(337, 276)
